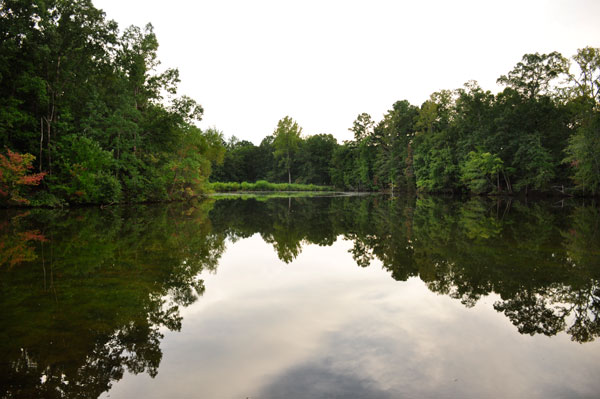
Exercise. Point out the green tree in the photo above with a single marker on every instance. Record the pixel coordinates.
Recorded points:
(587, 82)
(84, 172)
(537, 166)
(393, 136)
(362, 127)
(480, 172)
(343, 172)
(584, 156)
(286, 141)
(187, 172)
(473, 123)
(583, 149)
(364, 151)
(534, 73)
(435, 163)
(104, 122)
(314, 158)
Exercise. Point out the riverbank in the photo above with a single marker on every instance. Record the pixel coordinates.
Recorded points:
(264, 186)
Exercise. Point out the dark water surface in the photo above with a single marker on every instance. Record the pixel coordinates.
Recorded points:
(326, 297)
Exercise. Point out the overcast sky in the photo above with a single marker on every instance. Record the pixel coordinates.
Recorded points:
(250, 63)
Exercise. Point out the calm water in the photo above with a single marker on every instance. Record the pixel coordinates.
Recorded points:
(327, 297)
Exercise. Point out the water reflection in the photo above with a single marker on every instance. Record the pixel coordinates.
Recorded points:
(89, 294)
(544, 262)
(95, 293)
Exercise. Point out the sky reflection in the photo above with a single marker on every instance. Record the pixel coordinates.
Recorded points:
(322, 327)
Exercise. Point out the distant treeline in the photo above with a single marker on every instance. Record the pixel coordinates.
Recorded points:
(542, 132)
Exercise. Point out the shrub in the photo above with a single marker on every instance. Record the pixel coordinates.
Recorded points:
(14, 169)
(263, 185)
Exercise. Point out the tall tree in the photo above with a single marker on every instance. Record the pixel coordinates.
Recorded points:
(364, 151)
(532, 76)
(91, 104)
(314, 156)
(393, 137)
(583, 149)
(435, 161)
(362, 127)
(286, 142)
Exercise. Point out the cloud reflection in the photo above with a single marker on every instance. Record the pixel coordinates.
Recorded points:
(320, 381)
(322, 328)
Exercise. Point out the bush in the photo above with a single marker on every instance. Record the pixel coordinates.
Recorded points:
(263, 185)
(84, 172)
(14, 176)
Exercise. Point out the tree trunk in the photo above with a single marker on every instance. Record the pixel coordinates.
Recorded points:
(507, 180)
(41, 141)
(48, 136)
(498, 181)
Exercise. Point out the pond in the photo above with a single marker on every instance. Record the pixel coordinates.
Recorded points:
(302, 297)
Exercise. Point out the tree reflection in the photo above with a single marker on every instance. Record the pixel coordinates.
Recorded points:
(285, 223)
(93, 301)
(85, 294)
(16, 244)
(530, 313)
(542, 261)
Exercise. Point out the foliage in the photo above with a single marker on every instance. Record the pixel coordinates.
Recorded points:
(263, 185)
(480, 171)
(14, 175)
(362, 127)
(526, 130)
(584, 157)
(73, 324)
(393, 136)
(86, 172)
(106, 124)
(532, 76)
(536, 163)
(435, 162)
(286, 141)
(587, 83)
(93, 293)
(314, 159)
(342, 171)
(543, 264)
(16, 242)
(583, 149)
(189, 168)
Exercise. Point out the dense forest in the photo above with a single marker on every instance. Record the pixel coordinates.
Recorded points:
(542, 133)
(88, 116)
(89, 104)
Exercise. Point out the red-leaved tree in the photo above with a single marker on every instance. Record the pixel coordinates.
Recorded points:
(14, 176)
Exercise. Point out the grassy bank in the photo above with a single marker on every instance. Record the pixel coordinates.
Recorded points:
(263, 185)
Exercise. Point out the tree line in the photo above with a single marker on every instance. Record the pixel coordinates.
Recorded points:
(85, 107)
(88, 116)
(542, 132)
